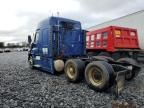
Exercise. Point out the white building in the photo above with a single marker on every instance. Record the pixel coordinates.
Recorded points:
(134, 20)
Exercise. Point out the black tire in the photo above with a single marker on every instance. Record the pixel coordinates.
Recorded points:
(104, 71)
(104, 54)
(31, 62)
(74, 70)
(130, 74)
(116, 55)
(103, 58)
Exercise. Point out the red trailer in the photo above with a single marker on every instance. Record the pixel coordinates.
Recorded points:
(116, 42)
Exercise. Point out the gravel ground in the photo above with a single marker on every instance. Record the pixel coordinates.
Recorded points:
(21, 87)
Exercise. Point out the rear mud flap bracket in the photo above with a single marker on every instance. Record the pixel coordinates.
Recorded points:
(119, 82)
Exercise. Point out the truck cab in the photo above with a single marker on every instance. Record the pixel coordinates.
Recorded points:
(56, 39)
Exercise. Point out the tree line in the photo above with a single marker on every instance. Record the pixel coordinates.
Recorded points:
(13, 45)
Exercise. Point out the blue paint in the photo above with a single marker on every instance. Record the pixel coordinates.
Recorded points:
(62, 37)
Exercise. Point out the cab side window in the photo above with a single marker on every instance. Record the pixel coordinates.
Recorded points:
(36, 38)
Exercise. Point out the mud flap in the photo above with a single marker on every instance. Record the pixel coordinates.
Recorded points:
(120, 71)
(119, 82)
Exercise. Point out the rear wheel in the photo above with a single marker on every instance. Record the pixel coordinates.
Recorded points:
(99, 75)
(130, 74)
(104, 54)
(118, 55)
(74, 69)
(103, 58)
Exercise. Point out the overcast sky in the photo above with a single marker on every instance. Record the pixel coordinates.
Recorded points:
(18, 18)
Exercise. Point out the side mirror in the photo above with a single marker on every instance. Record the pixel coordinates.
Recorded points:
(29, 39)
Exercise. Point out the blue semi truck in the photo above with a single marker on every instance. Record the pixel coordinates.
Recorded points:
(59, 45)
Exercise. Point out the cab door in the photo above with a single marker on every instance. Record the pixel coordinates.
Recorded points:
(46, 51)
(36, 46)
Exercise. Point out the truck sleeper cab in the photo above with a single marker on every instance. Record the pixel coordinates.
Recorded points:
(59, 45)
(56, 38)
